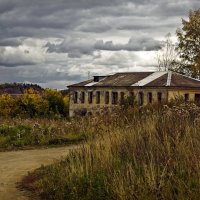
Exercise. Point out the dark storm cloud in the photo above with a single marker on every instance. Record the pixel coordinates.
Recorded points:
(50, 18)
(92, 27)
(65, 16)
(11, 42)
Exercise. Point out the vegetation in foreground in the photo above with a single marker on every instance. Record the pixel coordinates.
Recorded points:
(135, 154)
(17, 133)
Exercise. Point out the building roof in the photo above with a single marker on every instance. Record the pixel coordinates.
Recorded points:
(142, 79)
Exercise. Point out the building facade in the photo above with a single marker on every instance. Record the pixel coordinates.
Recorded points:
(142, 88)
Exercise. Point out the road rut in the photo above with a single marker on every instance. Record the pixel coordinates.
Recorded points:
(14, 165)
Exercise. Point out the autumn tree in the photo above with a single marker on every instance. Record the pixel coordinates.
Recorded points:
(189, 44)
(7, 105)
(33, 104)
(56, 101)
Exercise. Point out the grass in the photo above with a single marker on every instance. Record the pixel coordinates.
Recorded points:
(133, 154)
(20, 133)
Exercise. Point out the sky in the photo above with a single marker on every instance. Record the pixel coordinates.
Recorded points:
(55, 43)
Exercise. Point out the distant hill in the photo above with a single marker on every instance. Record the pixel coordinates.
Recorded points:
(18, 88)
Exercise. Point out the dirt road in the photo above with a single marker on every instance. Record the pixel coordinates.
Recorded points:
(14, 165)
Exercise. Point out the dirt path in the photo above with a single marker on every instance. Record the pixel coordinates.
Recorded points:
(14, 165)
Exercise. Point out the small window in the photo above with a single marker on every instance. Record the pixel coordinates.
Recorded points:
(122, 97)
(197, 98)
(107, 98)
(82, 97)
(186, 96)
(90, 95)
(131, 94)
(159, 95)
(131, 98)
(149, 97)
(75, 97)
(140, 98)
(98, 97)
(114, 97)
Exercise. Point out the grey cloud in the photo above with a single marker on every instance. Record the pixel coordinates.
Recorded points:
(59, 18)
(134, 44)
(11, 42)
(95, 27)
(12, 57)
(43, 75)
(77, 47)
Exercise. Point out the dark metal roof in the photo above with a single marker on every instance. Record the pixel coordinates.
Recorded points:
(184, 81)
(142, 79)
(123, 79)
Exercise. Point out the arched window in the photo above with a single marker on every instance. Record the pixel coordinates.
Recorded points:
(82, 97)
(149, 97)
(140, 98)
(186, 97)
(90, 96)
(159, 95)
(107, 99)
(75, 97)
(122, 97)
(98, 97)
(114, 97)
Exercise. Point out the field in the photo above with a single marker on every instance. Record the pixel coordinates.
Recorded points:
(137, 153)
(36, 119)
(20, 133)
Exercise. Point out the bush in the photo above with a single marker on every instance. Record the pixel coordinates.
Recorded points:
(49, 103)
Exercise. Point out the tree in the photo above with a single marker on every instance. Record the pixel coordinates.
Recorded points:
(167, 55)
(189, 44)
(7, 105)
(56, 101)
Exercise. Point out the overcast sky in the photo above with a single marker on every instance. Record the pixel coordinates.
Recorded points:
(57, 42)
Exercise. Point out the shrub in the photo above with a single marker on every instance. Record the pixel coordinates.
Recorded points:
(48, 103)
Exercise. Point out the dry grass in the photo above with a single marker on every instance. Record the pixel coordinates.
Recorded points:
(138, 154)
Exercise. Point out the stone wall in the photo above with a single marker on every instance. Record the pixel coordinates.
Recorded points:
(86, 107)
(94, 107)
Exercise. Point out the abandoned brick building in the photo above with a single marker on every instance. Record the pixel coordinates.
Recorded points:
(143, 87)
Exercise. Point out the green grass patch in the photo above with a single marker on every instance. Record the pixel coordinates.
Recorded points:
(17, 133)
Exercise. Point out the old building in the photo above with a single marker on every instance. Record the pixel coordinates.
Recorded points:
(142, 87)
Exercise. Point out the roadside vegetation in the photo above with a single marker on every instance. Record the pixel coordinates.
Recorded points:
(135, 153)
(46, 104)
(35, 119)
(20, 133)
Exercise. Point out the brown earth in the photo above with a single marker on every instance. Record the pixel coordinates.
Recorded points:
(14, 165)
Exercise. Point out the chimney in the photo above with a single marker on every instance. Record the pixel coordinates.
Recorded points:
(98, 78)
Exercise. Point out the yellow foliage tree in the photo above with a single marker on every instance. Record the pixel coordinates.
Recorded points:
(7, 105)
